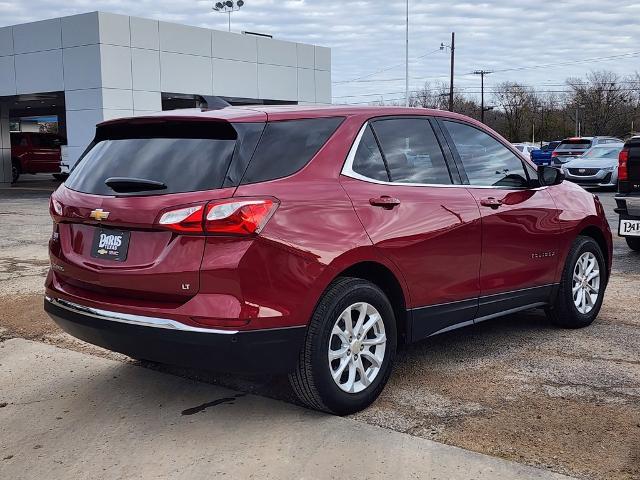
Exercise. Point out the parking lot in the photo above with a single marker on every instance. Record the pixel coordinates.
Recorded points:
(516, 387)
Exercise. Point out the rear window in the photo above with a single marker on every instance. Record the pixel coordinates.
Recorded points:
(603, 152)
(184, 157)
(574, 145)
(287, 146)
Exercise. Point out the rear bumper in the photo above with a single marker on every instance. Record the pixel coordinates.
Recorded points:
(166, 341)
(628, 208)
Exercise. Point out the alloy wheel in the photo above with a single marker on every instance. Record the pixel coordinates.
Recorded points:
(357, 347)
(586, 282)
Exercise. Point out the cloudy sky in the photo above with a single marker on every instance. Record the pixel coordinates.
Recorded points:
(535, 42)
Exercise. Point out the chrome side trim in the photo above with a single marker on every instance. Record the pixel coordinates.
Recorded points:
(510, 311)
(133, 319)
(347, 171)
(453, 327)
(489, 317)
(518, 291)
(482, 297)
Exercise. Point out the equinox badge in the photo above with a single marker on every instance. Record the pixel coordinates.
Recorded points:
(99, 214)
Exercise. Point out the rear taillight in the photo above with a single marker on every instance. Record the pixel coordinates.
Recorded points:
(554, 154)
(55, 209)
(183, 220)
(623, 171)
(232, 216)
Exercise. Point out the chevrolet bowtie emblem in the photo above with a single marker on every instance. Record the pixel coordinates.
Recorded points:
(99, 214)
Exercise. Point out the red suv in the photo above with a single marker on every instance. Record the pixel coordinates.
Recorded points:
(33, 152)
(313, 241)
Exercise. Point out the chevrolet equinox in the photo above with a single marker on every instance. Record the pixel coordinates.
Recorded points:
(313, 241)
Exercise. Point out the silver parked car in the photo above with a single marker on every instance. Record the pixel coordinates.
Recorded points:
(574, 147)
(524, 148)
(597, 167)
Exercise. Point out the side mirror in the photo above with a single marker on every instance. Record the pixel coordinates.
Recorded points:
(548, 176)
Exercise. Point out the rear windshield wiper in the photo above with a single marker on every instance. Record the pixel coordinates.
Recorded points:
(128, 184)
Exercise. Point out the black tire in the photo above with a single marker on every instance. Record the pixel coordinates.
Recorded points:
(15, 171)
(311, 380)
(563, 312)
(633, 243)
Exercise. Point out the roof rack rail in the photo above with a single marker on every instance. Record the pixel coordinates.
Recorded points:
(211, 102)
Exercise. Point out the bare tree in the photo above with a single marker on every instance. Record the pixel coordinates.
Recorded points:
(603, 103)
(425, 97)
(517, 102)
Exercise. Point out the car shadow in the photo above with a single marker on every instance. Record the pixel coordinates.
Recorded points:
(468, 344)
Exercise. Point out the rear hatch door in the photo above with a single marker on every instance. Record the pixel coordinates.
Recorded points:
(109, 238)
(572, 148)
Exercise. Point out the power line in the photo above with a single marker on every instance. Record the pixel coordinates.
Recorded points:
(568, 62)
(476, 92)
(494, 89)
(514, 69)
(386, 69)
(461, 89)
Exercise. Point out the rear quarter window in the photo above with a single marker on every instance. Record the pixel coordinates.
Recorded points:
(288, 145)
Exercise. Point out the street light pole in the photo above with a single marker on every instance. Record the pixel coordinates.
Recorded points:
(406, 59)
(452, 49)
(228, 7)
(453, 52)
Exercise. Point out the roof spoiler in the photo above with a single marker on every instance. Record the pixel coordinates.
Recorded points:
(211, 102)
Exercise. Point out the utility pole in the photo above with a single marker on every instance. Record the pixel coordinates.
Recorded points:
(482, 73)
(406, 61)
(453, 53)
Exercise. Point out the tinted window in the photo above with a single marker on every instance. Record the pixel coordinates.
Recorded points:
(248, 136)
(287, 146)
(184, 156)
(182, 164)
(368, 160)
(45, 141)
(574, 145)
(520, 148)
(486, 161)
(18, 139)
(411, 150)
(603, 152)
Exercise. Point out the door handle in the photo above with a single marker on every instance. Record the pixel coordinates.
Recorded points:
(491, 202)
(386, 202)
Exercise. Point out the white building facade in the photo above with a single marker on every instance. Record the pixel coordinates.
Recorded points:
(97, 66)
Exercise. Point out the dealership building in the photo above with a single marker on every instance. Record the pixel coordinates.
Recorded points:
(82, 69)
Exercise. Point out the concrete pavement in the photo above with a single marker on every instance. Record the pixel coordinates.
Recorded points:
(71, 415)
